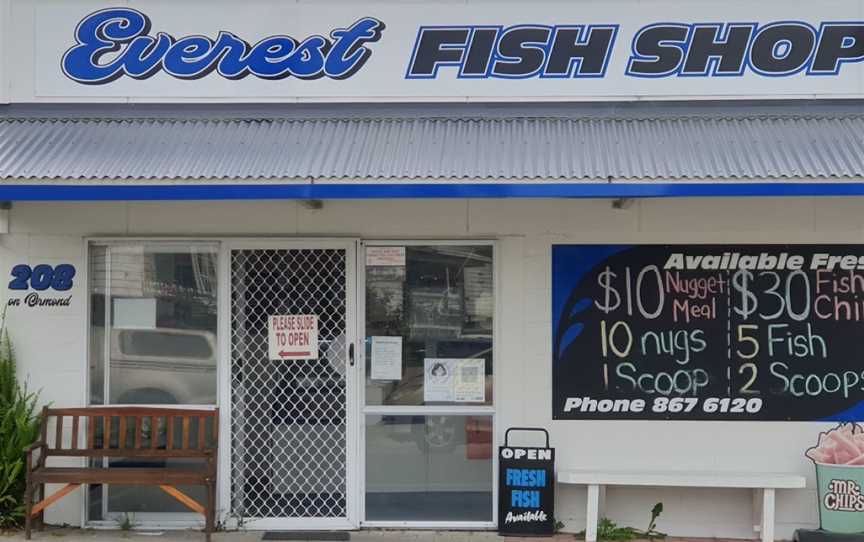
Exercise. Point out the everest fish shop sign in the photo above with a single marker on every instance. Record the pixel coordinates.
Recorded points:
(708, 332)
(293, 337)
(374, 50)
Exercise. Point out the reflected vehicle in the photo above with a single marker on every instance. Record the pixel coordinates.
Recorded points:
(157, 366)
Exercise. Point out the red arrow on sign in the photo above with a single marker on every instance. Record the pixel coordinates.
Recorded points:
(284, 354)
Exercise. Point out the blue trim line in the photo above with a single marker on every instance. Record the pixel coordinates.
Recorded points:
(439, 190)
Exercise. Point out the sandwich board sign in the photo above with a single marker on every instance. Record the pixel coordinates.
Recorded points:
(292, 337)
(526, 491)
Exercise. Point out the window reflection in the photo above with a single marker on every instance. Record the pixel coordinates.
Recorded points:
(160, 329)
(428, 468)
(153, 314)
(441, 303)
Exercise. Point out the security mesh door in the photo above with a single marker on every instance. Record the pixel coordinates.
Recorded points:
(288, 418)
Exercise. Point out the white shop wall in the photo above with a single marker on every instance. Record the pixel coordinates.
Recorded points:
(51, 344)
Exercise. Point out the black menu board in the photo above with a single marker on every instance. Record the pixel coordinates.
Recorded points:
(708, 332)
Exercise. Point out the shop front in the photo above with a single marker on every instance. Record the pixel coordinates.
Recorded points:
(296, 414)
(289, 213)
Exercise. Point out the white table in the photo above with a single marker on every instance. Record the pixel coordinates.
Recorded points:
(763, 484)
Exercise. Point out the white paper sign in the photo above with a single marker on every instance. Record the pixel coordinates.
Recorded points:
(293, 336)
(135, 313)
(437, 380)
(385, 256)
(454, 380)
(469, 381)
(386, 358)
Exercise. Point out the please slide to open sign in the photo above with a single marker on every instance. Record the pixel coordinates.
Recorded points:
(293, 336)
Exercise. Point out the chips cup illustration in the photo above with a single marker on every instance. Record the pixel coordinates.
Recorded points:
(839, 459)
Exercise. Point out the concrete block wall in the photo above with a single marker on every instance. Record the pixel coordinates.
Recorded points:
(51, 343)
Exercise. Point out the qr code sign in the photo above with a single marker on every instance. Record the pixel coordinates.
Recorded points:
(470, 375)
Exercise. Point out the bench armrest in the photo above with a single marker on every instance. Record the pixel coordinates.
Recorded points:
(38, 445)
(32, 447)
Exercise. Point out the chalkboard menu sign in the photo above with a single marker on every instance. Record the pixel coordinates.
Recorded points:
(702, 332)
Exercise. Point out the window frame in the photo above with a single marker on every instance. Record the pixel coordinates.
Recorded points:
(426, 410)
(156, 520)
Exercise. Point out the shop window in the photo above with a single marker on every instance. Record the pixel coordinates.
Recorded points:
(429, 383)
(428, 468)
(440, 304)
(153, 328)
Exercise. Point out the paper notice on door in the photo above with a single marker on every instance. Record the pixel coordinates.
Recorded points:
(469, 381)
(135, 313)
(292, 336)
(437, 380)
(385, 256)
(454, 380)
(386, 358)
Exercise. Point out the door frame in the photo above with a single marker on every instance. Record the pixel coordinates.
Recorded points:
(491, 411)
(150, 520)
(352, 420)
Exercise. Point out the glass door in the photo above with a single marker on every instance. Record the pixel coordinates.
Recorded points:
(153, 324)
(428, 410)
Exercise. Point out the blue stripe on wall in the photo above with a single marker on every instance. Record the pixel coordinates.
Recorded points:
(442, 190)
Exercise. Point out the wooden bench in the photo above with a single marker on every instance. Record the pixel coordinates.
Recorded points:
(764, 486)
(127, 433)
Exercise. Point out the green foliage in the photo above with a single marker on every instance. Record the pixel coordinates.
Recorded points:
(557, 526)
(19, 427)
(651, 532)
(610, 531)
(126, 522)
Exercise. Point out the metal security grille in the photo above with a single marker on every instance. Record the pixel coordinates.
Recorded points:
(288, 418)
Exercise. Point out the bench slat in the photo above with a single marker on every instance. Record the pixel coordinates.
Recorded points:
(91, 431)
(106, 432)
(154, 432)
(128, 452)
(58, 442)
(202, 428)
(120, 475)
(128, 411)
(169, 443)
(730, 479)
(121, 436)
(185, 433)
(139, 431)
(74, 432)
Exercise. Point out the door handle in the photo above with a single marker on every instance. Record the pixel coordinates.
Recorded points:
(351, 354)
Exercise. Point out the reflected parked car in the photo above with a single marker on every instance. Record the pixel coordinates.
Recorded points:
(156, 366)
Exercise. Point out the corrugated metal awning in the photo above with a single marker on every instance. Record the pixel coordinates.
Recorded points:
(584, 144)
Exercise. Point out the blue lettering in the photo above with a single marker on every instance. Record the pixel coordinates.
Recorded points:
(124, 34)
(523, 498)
(347, 55)
(234, 63)
(526, 477)
(272, 56)
(188, 57)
